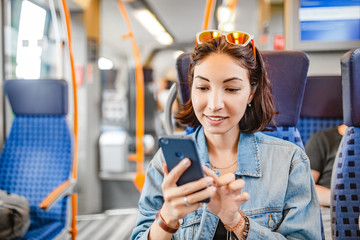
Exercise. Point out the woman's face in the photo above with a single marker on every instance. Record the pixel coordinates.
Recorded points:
(220, 93)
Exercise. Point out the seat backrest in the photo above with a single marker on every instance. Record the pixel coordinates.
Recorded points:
(321, 106)
(345, 185)
(287, 72)
(37, 155)
(182, 67)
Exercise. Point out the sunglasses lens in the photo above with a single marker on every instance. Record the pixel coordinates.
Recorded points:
(207, 35)
(237, 37)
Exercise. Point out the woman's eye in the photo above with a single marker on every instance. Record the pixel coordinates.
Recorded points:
(232, 89)
(202, 88)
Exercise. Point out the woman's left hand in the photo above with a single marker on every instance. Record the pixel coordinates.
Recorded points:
(228, 198)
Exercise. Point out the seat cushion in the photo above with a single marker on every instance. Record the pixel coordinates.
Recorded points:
(46, 231)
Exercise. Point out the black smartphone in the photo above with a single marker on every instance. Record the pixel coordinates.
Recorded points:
(177, 148)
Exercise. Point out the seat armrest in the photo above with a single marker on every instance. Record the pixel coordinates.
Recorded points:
(66, 188)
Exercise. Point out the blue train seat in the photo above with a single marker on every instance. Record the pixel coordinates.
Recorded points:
(321, 106)
(38, 154)
(345, 185)
(288, 85)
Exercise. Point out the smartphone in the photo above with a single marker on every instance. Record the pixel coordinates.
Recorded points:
(177, 148)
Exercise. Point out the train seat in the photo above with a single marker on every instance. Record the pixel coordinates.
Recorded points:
(321, 106)
(288, 85)
(37, 156)
(345, 189)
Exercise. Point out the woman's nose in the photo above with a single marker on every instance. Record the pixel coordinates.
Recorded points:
(215, 101)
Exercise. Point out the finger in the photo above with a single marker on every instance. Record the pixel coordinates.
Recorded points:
(165, 169)
(193, 207)
(201, 195)
(237, 185)
(209, 172)
(177, 171)
(195, 198)
(226, 179)
(189, 188)
(182, 203)
(242, 197)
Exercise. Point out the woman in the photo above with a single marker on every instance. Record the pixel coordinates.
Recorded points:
(260, 187)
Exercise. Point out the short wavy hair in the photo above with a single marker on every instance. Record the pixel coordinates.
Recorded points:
(262, 110)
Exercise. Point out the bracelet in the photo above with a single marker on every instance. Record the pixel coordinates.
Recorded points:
(246, 227)
(159, 219)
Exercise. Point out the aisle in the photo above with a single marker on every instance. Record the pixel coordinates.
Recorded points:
(110, 225)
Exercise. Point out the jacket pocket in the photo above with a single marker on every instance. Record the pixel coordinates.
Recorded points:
(266, 217)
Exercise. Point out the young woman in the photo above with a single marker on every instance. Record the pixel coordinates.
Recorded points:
(260, 186)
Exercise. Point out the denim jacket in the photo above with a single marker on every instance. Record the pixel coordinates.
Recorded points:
(283, 202)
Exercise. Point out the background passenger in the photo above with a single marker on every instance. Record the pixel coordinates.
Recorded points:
(321, 148)
(260, 186)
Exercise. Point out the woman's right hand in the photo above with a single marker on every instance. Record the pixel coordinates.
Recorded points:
(181, 200)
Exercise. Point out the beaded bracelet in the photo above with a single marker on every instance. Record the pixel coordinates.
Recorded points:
(159, 219)
(246, 228)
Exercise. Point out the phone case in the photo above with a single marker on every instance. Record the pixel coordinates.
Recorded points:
(174, 150)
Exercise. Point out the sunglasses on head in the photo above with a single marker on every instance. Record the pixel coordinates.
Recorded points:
(235, 37)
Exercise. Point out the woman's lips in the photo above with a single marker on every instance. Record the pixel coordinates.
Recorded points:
(215, 120)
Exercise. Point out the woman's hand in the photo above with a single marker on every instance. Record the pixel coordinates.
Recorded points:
(228, 198)
(181, 200)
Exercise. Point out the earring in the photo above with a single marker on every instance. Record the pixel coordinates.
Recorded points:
(249, 105)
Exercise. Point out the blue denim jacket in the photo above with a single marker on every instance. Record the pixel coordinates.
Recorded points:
(283, 202)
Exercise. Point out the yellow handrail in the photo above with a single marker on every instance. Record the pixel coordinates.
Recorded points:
(139, 80)
(73, 229)
(208, 10)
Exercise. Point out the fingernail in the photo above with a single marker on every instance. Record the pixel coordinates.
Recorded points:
(185, 161)
(213, 189)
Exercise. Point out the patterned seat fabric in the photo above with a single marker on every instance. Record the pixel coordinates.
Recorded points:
(287, 133)
(37, 155)
(346, 195)
(345, 185)
(308, 125)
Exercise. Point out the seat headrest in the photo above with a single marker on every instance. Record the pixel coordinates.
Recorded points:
(287, 72)
(322, 97)
(182, 67)
(37, 97)
(350, 73)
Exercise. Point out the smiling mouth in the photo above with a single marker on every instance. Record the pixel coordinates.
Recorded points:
(216, 118)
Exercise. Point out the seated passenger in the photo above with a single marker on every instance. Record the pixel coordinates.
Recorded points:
(260, 186)
(321, 149)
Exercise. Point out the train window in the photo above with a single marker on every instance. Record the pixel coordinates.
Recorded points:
(34, 40)
(29, 44)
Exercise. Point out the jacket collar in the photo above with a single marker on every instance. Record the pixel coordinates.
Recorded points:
(247, 156)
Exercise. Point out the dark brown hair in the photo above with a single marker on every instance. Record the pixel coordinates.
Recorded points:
(262, 110)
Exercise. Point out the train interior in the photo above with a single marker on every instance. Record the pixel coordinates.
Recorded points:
(98, 82)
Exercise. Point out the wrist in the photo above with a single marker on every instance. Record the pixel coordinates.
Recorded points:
(241, 228)
(172, 222)
(234, 221)
(164, 225)
(237, 225)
